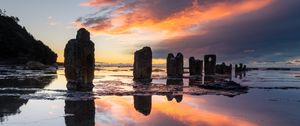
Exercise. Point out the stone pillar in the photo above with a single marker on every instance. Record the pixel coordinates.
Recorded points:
(223, 69)
(80, 62)
(195, 66)
(210, 64)
(192, 68)
(175, 65)
(142, 67)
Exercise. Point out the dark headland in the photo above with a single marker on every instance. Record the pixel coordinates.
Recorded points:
(18, 46)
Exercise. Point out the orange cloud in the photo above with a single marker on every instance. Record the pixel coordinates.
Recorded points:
(94, 3)
(132, 18)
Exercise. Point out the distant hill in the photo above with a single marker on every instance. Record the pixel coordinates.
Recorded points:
(17, 46)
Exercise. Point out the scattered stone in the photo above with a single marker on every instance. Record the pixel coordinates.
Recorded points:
(80, 62)
(142, 65)
(195, 66)
(175, 65)
(210, 64)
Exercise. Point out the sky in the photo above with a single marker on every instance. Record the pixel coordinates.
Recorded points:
(255, 32)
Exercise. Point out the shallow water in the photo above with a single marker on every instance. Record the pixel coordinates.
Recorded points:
(41, 98)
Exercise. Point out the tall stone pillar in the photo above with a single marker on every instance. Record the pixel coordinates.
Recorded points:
(195, 66)
(80, 62)
(175, 65)
(142, 67)
(210, 64)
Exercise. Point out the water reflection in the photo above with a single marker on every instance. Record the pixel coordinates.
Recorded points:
(192, 111)
(9, 105)
(177, 93)
(143, 104)
(80, 113)
(240, 75)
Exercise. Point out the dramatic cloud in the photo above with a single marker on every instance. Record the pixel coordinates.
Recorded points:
(269, 36)
(172, 18)
(250, 31)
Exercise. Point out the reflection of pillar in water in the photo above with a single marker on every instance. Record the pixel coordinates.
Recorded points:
(143, 104)
(178, 88)
(196, 81)
(209, 79)
(80, 113)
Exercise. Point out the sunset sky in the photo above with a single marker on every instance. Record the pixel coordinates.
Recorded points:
(256, 32)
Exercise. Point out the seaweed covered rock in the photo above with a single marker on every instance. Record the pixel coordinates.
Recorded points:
(80, 62)
(18, 46)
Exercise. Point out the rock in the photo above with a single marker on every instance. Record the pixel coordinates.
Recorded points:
(175, 65)
(210, 64)
(240, 68)
(224, 69)
(195, 66)
(80, 62)
(18, 46)
(142, 67)
(34, 65)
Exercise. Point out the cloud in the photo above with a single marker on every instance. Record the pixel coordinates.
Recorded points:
(249, 31)
(172, 18)
(272, 33)
(99, 3)
(51, 21)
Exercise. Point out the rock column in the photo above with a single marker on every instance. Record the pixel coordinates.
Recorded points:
(142, 65)
(175, 65)
(210, 64)
(223, 69)
(80, 62)
(195, 66)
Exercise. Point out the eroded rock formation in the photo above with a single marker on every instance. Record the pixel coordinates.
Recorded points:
(142, 67)
(224, 69)
(80, 62)
(210, 64)
(195, 66)
(175, 65)
(240, 68)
